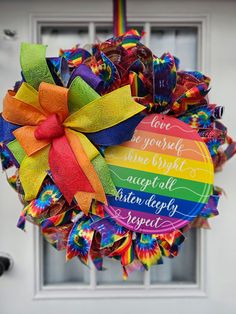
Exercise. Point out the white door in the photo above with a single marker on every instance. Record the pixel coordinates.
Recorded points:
(202, 278)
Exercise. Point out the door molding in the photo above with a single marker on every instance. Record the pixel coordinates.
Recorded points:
(71, 291)
(201, 21)
(77, 291)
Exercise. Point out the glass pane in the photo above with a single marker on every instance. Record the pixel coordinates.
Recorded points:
(57, 271)
(138, 27)
(64, 37)
(103, 32)
(113, 275)
(181, 268)
(181, 42)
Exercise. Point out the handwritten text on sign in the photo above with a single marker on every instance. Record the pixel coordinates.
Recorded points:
(163, 175)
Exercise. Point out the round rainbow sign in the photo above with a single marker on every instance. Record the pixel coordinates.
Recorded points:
(163, 176)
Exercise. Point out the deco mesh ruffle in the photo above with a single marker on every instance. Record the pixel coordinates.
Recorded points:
(66, 111)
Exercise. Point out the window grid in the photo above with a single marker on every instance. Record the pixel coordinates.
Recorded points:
(94, 285)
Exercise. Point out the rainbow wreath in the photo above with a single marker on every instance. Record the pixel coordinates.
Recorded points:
(114, 150)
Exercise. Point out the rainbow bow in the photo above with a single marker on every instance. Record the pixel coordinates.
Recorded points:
(51, 126)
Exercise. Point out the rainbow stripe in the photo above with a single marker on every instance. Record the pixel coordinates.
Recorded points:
(75, 56)
(49, 195)
(80, 241)
(131, 39)
(148, 250)
(160, 167)
(137, 84)
(164, 79)
(125, 250)
(119, 17)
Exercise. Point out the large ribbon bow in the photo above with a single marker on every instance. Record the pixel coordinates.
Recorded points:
(53, 122)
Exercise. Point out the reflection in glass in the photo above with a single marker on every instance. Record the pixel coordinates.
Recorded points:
(113, 275)
(57, 271)
(137, 27)
(103, 32)
(181, 268)
(181, 42)
(64, 37)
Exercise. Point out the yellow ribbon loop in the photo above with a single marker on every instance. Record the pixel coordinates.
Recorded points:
(90, 150)
(33, 171)
(93, 113)
(29, 95)
(104, 112)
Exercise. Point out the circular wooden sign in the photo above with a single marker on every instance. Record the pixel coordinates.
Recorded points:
(163, 176)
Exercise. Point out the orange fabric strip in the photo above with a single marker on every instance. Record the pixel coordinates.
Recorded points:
(27, 140)
(54, 99)
(18, 112)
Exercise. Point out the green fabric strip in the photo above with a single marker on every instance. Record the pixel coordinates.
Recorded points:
(80, 94)
(34, 65)
(16, 150)
(104, 175)
(160, 184)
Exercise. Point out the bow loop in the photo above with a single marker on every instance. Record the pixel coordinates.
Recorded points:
(46, 123)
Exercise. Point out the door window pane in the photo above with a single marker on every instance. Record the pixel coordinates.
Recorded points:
(181, 42)
(182, 268)
(112, 275)
(57, 271)
(103, 32)
(63, 37)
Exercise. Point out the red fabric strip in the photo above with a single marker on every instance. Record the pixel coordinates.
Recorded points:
(66, 171)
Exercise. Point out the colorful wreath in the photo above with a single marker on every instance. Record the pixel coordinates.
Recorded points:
(114, 150)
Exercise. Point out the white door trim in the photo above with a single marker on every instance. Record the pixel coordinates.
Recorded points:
(201, 21)
(71, 291)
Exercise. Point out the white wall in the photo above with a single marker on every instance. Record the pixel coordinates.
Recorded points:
(221, 252)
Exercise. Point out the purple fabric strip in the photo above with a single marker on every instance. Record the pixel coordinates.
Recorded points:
(88, 76)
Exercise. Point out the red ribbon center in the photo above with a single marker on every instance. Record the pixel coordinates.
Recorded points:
(66, 171)
(49, 129)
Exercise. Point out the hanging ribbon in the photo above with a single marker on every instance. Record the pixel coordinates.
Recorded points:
(119, 17)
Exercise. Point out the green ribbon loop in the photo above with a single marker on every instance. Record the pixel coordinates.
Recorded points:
(34, 65)
(80, 94)
(17, 151)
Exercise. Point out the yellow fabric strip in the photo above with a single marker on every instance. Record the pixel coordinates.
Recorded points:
(160, 164)
(88, 147)
(33, 171)
(18, 112)
(29, 95)
(104, 112)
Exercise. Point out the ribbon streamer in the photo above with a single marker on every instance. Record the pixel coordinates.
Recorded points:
(119, 17)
